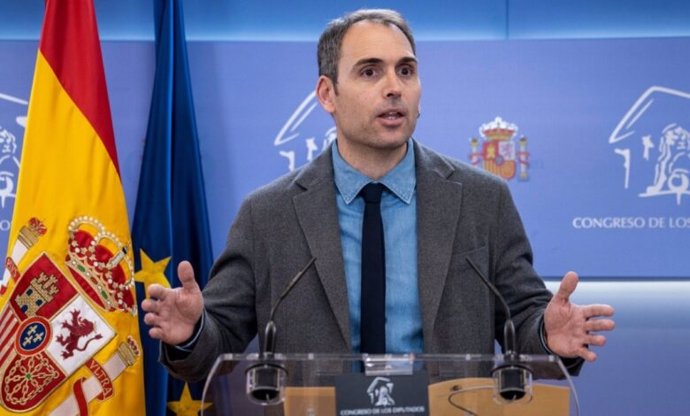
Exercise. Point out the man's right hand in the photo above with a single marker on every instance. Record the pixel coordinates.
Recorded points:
(173, 313)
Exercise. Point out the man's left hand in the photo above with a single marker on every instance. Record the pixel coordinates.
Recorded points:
(571, 329)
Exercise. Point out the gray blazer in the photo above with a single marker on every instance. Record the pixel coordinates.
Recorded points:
(462, 213)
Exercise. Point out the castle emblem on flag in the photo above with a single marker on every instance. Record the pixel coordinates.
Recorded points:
(499, 154)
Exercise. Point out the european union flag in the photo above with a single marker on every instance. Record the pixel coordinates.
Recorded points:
(170, 220)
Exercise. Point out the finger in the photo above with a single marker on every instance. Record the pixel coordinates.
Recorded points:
(567, 286)
(600, 325)
(595, 310)
(157, 291)
(151, 319)
(587, 354)
(156, 333)
(597, 340)
(149, 305)
(185, 273)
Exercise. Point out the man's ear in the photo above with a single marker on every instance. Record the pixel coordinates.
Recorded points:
(325, 93)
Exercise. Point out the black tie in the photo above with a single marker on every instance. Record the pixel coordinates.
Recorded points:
(373, 312)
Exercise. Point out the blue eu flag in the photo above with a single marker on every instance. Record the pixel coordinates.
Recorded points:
(170, 220)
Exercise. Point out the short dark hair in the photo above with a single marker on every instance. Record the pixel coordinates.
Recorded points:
(331, 40)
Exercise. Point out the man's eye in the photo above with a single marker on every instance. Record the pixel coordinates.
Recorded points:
(406, 71)
(368, 72)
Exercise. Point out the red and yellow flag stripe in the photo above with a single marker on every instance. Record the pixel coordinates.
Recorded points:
(69, 271)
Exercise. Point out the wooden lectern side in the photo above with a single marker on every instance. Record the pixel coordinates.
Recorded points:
(448, 398)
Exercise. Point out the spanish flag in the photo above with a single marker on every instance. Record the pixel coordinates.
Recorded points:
(69, 336)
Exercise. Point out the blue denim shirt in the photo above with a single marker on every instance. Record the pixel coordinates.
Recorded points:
(399, 214)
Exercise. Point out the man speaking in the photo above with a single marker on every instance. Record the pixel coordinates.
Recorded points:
(400, 235)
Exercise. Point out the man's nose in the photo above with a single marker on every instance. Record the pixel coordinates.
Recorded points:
(392, 85)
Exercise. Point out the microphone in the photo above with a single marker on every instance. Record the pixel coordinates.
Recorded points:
(513, 379)
(265, 380)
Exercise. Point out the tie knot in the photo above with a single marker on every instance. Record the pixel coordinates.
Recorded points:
(372, 193)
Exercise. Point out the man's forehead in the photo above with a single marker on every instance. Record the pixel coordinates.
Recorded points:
(374, 38)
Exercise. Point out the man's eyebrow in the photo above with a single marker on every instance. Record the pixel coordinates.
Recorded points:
(408, 60)
(376, 61)
(368, 61)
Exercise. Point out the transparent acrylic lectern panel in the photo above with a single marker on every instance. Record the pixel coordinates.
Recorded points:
(422, 384)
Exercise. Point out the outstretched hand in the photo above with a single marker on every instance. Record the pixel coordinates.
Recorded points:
(571, 329)
(173, 313)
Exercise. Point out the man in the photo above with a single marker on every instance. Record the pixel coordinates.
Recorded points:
(441, 219)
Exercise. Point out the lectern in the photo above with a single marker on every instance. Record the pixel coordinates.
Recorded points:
(410, 384)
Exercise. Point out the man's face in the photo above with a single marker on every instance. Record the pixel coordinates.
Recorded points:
(375, 101)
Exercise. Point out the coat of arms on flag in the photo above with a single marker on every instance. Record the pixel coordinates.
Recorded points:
(50, 332)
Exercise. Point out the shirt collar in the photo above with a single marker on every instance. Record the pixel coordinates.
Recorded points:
(401, 180)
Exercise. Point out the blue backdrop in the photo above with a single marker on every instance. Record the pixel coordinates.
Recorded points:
(602, 179)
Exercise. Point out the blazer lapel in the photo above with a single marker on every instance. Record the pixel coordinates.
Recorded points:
(438, 211)
(317, 214)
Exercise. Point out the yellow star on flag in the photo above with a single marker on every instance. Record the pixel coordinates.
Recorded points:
(152, 272)
(187, 406)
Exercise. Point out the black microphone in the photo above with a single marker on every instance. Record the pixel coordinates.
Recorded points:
(265, 380)
(513, 378)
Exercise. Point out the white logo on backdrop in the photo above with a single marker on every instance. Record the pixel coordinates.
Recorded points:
(297, 146)
(380, 392)
(653, 137)
(9, 164)
(9, 161)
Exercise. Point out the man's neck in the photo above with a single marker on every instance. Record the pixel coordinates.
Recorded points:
(372, 162)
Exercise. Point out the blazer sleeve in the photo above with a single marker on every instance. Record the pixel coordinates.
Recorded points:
(515, 277)
(229, 305)
(520, 285)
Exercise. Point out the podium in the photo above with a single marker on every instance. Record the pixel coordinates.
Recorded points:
(409, 384)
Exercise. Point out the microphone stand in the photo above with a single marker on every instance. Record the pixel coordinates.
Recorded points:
(265, 380)
(513, 378)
